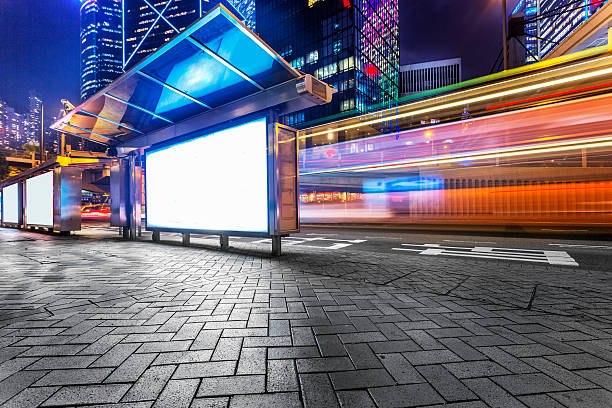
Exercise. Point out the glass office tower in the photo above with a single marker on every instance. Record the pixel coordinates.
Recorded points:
(548, 22)
(150, 24)
(101, 56)
(350, 44)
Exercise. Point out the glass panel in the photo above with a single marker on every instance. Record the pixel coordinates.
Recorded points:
(235, 46)
(189, 69)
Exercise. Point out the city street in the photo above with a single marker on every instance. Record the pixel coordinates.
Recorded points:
(345, 317)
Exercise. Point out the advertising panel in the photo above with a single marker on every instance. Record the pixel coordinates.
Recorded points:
(39, 200)
(215, 182)
(10, 204)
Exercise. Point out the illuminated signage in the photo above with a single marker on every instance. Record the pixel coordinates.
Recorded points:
(39, 200)
(10, 204)
(215, 182)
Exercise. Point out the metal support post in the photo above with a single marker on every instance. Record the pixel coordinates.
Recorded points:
(186, 238)
(140, 231)
(126, 232)
(156, 236)
(224, 241)
(505, 34)
(276, 245)
(134, 194)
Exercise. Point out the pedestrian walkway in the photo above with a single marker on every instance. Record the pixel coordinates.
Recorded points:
(94, 320)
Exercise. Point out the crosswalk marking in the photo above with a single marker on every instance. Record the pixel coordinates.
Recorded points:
(292, 241)
(512, 254)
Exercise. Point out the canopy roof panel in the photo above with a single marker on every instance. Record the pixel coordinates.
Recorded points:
(215, 61)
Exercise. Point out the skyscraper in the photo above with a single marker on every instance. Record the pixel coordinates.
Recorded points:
(101, 45)
(149, 25)
(33, 117)
(350, 44)
(548, 22)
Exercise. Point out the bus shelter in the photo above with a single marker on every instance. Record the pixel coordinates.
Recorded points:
(46, 197)
(200, 118)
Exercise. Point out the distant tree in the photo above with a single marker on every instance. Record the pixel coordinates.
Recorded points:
(4, 168)
(30, 148)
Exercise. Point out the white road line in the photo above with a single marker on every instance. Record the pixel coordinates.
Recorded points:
(512, 254)
(581, 246)
(470, 242)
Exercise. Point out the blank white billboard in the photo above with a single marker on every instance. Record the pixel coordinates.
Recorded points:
(10, 204)
(216, 182)
(39, 200)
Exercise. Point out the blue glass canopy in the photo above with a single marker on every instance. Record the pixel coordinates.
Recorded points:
(215, 61)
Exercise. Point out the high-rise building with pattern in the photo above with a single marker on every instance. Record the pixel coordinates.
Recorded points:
(548, 22)
(101, 45)
(350, 44)
(150, 24)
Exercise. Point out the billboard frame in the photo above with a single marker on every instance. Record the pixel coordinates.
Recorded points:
(273, 179)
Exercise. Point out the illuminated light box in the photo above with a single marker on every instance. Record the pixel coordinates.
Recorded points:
(39, 200)
(10, 204)
(227, 181)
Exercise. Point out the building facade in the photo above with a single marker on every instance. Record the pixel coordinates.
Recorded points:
(149, 25)
(101, 44)
(13, 127)
(33, 117)
(350, 44)
(548, 22)
(426, 76)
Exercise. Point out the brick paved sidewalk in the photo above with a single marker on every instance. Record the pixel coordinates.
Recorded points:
(92, 320)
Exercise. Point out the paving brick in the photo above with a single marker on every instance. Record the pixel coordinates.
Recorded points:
(400, 369)
(14, 384)
(177, 394)
(431, 357)
(506, 360)
(180, 357)
(317, 391)
(227, 349)
(150, 384)
(87, 394)
(492, 394)
(74, 376)
(58, 363)
(324, 364)
(565, 377)
(31, 397)
(584, 398)
(240, 384)
(446, 384)
(522, 384)
(10, 367)
(131, 368)
(116, 355)
(579, 361)
(355, 399)
(410, 395)
(292, 352)
(252, 361)
(346, 380)
(540, 401)
(462, 349)
(330, 345)
(473, 369)
(213, 402)
(362, 356)
(207, 369)
(281, 376)
(277, 400)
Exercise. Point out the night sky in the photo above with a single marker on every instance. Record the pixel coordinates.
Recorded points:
(39, 42)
